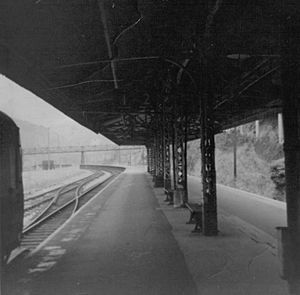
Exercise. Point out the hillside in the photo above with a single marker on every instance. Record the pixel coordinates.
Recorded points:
(260, 167)
(32, 135)
(62, 134)
(67, 134)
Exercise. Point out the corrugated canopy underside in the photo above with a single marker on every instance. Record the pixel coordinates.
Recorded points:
(108, 64)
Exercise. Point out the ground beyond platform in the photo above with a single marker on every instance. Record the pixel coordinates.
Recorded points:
(128, 241)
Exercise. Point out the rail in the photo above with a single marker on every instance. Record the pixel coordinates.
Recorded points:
(46, 223)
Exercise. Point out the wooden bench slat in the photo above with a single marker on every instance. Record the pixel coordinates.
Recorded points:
(196, 216)
(194, 207)
(169, 195)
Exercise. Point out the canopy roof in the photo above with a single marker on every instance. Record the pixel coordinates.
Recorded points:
(109, 63)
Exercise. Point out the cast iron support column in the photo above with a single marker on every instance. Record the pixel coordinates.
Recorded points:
(166, 148)
(180, 193)
(210, 223)
(159, 178)
(151, 159)
(148, 159)
(186, 198)
(173, 180)
(154, 159)
(290, 75)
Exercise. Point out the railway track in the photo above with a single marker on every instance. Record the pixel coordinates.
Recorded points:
(34, 201)
(67, 200)
(39, 203)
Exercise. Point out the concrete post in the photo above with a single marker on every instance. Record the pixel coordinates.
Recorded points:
(280, 129)
(48, 152)
(82, 158)
(256, 128)
(234, 155)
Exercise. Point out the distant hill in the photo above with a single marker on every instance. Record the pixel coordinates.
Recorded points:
(32, 135)
(68, 134)
(71, 133)
(33, 115)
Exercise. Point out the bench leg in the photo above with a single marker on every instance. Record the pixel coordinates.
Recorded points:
(167, 196)
(171, 201)
(198, 225)
(197, 229)
(191, 220)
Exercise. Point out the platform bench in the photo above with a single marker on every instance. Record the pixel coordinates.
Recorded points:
(169, 196)
(196, 216)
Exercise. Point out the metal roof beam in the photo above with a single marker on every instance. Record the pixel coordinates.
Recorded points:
(108, 44)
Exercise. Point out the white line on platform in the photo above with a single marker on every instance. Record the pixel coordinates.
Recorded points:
(270, 201)
(275, 203)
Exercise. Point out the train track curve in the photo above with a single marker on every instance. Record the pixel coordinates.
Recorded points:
(66, 202)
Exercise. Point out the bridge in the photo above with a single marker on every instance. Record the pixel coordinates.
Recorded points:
(162, 73)
(115, 151)
(78, 149)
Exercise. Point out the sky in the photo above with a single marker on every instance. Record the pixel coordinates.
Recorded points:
(21, 104)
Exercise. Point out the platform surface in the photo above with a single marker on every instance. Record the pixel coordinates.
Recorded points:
(129, 241)
(119, 244)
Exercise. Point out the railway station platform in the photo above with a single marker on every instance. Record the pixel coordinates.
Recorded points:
(127, 240)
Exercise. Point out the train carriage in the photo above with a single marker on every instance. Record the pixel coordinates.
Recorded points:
(11, 187)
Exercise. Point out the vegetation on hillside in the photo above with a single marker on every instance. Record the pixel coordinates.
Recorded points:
(260, 166)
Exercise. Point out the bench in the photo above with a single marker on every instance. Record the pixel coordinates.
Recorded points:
(196, 216)
(169, 196)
